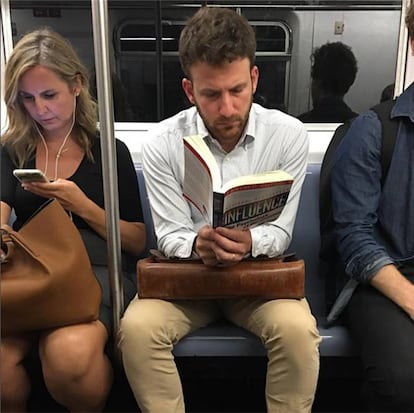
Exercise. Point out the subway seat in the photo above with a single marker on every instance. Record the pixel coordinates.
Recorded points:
(227, 340)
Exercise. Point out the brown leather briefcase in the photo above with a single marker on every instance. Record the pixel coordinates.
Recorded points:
(175, 279)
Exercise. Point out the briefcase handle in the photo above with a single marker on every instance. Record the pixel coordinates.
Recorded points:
(160, 257)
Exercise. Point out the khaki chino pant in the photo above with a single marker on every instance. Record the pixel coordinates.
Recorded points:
(150, 328)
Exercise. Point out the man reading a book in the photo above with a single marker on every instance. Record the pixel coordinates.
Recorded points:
(217, 53)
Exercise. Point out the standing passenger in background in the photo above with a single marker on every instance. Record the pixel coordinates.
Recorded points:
(333, 72)
(52, 127)
(387, 93)
(122, 108)
(375, 236)
(217, 51)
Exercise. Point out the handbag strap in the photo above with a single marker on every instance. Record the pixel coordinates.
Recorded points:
(11, 238)
(7, 245)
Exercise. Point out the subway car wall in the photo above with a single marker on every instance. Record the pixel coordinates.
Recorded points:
(147, 76)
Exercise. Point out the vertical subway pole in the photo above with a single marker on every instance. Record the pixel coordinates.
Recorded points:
(403, 50)
(109, 167)
(159, 60)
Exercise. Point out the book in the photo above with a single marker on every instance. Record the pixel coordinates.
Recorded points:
(242, 202)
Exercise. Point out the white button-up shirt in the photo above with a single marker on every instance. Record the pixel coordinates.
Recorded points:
(272, 140)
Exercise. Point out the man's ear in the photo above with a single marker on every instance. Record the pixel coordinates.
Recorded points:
(254, 75)
(188, 89)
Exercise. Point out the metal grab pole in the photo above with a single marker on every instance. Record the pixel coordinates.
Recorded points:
(6, 33)
(6, 47)
(402, 51)
(109, 169)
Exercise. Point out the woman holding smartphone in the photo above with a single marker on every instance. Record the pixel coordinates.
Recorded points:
(52, 127)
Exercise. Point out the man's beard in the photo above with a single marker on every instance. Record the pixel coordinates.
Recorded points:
(218, 129)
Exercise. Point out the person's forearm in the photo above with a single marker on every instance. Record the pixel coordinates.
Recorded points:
(396, 287)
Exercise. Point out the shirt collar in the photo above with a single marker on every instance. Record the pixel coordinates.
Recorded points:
(404, 106)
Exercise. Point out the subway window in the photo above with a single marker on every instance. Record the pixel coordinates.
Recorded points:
(146, 72)
(140, 59)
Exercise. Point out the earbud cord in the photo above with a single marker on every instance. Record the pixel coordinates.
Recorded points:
(59, 152)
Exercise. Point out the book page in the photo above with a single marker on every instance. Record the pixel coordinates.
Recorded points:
(198, 185)
(197, 145)
(259, 178)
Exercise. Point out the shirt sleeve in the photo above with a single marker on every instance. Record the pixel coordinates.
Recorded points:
(356, 194)
(273, 239)
(163, 161)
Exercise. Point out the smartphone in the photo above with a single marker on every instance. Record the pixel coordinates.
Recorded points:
(30, 175)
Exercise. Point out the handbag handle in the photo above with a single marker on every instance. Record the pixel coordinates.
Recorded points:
(7, 245)
(11, 238)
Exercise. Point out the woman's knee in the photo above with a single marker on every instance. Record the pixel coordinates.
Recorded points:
(13, 351)
(14, 379)
(70, 353)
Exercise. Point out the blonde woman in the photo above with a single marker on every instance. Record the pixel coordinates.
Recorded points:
(52, 127)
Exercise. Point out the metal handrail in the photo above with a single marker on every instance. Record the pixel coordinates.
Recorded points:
(109, 166)
(402, 51)
(6, 33)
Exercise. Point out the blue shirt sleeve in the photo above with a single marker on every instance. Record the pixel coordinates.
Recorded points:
(356, 194)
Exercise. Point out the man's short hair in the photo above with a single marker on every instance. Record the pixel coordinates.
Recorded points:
(409, 20)
(334, 67)
(216, 35)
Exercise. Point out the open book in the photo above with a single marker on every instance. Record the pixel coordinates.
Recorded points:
(242, 202)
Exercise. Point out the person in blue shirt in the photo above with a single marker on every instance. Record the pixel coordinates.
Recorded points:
(375, 238)
(217, 48)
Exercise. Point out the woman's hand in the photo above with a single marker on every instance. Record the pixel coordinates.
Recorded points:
(69, 195)
(73, 199)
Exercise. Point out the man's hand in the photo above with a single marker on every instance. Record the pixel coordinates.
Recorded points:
(222, 246)
(396, 287)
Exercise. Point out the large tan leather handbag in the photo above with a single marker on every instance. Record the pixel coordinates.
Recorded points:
(176, 279)
(46, 275)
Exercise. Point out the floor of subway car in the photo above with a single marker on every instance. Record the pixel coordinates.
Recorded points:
(221, 385)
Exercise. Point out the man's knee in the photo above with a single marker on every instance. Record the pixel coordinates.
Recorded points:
(294, 330)
(140, 325)
(391, 392)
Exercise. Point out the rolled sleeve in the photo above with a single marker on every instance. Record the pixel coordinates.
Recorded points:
(356, 194)
(363, 272)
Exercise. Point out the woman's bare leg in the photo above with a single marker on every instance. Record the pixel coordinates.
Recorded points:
(76, 370)
(15, 382)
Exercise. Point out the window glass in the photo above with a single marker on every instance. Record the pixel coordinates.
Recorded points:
(137, 55)
(147, 74)
(271, 37)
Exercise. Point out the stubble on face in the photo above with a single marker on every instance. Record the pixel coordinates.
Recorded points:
(225, 129)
